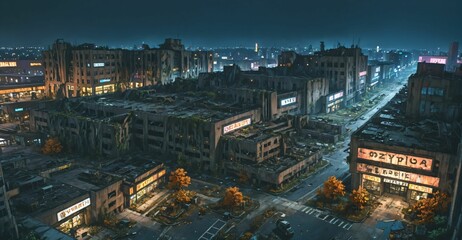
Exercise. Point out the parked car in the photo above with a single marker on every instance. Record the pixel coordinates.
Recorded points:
(284, 229)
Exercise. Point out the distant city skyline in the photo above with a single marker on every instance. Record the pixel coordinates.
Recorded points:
(411, 24)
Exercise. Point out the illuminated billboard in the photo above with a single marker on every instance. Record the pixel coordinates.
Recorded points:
(288, 101)
(19, 109)
(395, 159)
(73, 209)
(433, 59)
(8, 64)
(35, 64)
(234, 126)
(335, 96)
(98, 65)
(148, 181)
(396, 174)
(363, 73)
(372, 178)
(420, 188)
(104, 80)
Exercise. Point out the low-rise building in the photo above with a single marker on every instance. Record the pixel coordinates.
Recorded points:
(140, 176)
(106, 196)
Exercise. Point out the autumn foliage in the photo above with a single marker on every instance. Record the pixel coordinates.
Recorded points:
(52, 146)
(179, 179)
(233, 197)
(359, 197)
(332, 189)
(183, 196)
(427, 208)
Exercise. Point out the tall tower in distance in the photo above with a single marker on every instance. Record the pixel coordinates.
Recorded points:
(453, 52)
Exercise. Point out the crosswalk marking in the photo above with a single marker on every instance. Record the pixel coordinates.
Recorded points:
(327, 218)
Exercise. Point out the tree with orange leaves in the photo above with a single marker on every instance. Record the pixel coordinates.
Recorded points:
(179, 179)
(52, 146)
(359, 197)
(427, 208)
(233, 197)
(332, 189)
(183, 196)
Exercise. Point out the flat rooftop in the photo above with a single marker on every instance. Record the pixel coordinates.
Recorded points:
(180, 105)
(390, 126)
(86, 179)
(132, 167)
(46, 196)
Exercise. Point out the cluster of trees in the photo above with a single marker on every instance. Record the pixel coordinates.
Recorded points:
(233, 197)
(333, 189)
(52, 146)
(179, 180)
(426, 209)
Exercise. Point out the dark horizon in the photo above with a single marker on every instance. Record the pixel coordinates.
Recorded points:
(213, 24)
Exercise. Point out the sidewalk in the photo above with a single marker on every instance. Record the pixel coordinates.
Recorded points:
(150, 203)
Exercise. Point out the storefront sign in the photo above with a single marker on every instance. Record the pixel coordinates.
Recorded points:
(395, 159)
(396, 182)
(98, 65)
(288, 101)
(363, 73)
(371, 178)
(420, 188)
(35, 64)
(19, 109)
(335, 96)
(7, 64)
(401, 175)
(104, 80)
(73, 209)
(148, 181)
(234, 126)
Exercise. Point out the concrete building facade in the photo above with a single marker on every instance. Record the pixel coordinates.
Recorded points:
(87, 69)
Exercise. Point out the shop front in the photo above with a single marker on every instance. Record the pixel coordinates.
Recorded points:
(395, 187)
(372, 184)
(71, 218)
(137, 192)
(377, 180)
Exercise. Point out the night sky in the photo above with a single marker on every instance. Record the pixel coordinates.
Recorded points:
(216, 23)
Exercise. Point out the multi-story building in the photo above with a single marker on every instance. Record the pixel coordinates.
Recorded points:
(345, 69)
(434, 93)
(192, 125)
(410, 149)
(453, 53)
(9, 229)
(277, 90)
(397, 155)
(90, 70)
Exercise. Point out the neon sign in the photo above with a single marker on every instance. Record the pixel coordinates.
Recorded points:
(395, 159)
(98, 64)
(7, 64)
(234, 126)
(288, 101)
(73, 209)
(396, 174)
